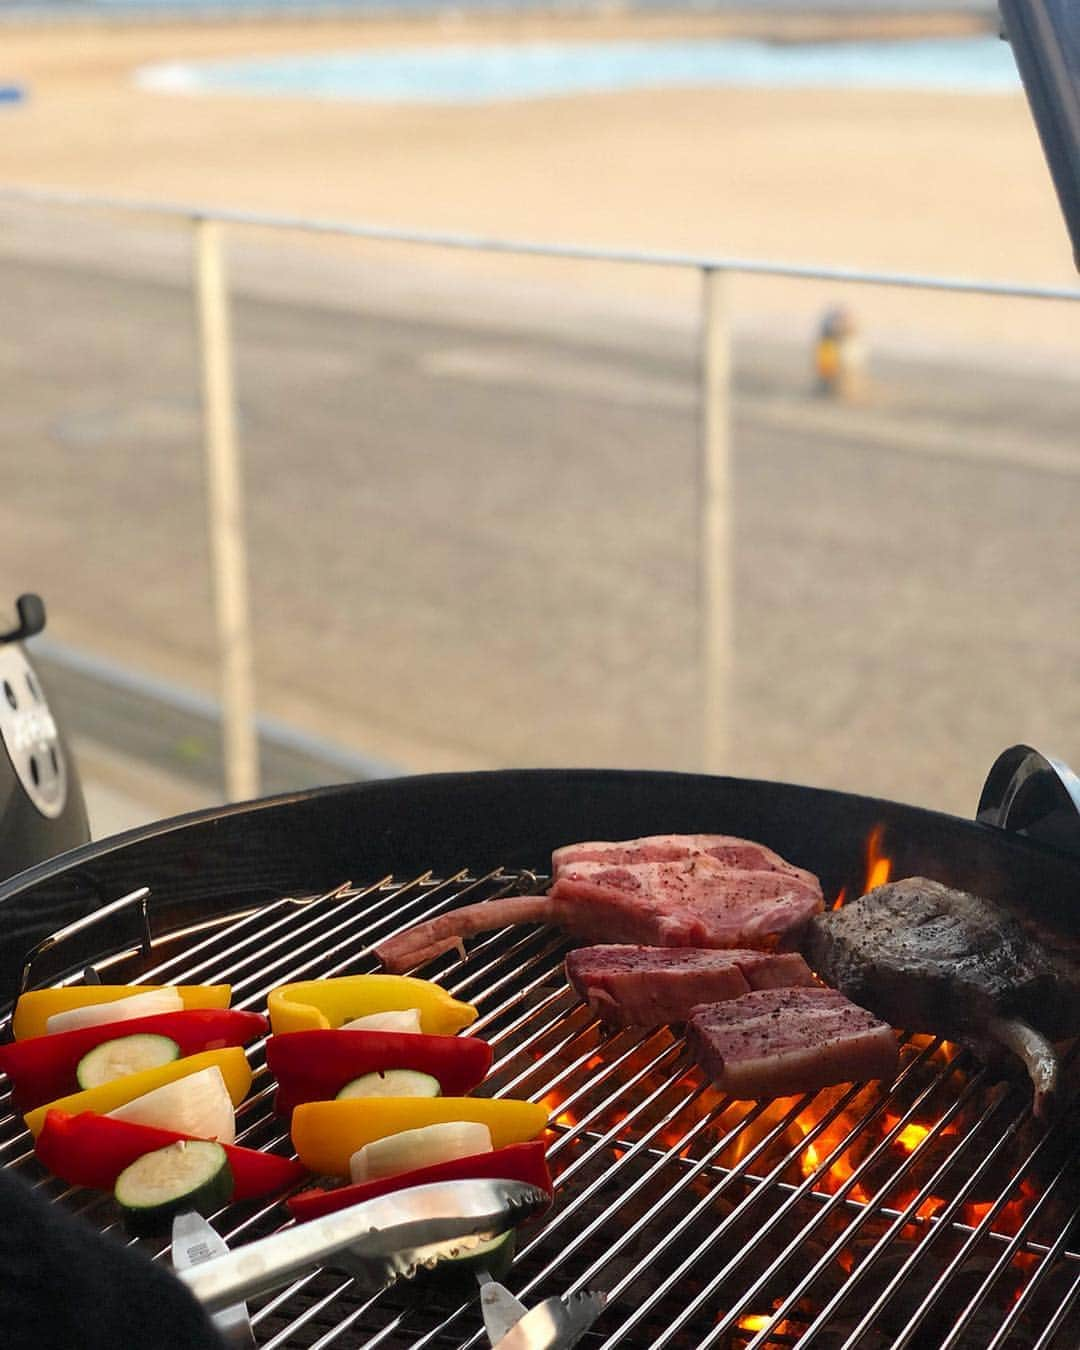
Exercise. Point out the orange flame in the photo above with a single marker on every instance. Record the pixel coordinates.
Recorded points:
(878, 864)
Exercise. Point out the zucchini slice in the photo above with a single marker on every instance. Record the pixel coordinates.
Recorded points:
(456, 1275)
(124, 1054)
(424, 1147)
(190, 1174)
(392, 1083)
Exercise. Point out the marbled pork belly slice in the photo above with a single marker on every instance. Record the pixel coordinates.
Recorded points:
(744, 854)
(779, 1042)
(649, 986)
(696, 902)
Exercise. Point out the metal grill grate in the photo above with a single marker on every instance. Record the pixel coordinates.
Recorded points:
(936, 1214)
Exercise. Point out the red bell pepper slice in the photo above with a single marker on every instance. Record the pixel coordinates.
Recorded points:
(313, 1066)
(515, 1162)
(42, 1068)
(92, 1150)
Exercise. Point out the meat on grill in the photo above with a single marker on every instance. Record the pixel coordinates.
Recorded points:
(634, 986)
(691, 901)
(743, 854)
(777, 1042)
(933, 959)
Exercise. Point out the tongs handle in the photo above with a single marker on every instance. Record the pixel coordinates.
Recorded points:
(377, 1238)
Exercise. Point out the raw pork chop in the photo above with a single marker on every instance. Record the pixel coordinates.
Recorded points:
(934, 959)
(725, 848)
(694, 901)
(650, 986)
(777, 1042)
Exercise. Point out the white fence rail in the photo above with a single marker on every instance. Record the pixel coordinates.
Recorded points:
(225, 494)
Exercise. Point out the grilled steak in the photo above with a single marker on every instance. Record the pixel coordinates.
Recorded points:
(933, 959)
(649, 986)
(692, 901)
(777, 1042)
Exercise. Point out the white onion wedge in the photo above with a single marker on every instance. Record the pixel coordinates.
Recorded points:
(425, 1147)
(199, 1105)
(406, 1020)
(151, 1003)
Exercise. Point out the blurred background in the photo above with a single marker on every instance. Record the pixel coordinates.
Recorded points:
(469, 386)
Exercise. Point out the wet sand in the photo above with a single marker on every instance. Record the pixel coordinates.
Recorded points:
(926, 183)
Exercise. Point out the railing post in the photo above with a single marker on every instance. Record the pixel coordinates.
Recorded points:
(225, 517)
(715, 563)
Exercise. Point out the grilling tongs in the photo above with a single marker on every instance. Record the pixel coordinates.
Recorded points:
(378, 1241)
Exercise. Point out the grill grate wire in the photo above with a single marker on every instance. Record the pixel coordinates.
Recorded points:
(708, 1222)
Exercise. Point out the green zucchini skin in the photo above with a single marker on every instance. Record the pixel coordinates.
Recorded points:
(454, 1276)
(191, 1174)
(144, 1051)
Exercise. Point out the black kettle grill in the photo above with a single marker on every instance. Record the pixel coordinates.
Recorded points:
(42, 811)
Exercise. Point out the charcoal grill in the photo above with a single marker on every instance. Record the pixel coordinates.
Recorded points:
(934, 1213)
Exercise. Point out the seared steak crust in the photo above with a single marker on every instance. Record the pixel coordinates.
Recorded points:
(929, 958)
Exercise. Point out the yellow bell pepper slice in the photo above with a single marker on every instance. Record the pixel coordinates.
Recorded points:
(327, 1134)
(35, 1008)
(232, 1062)
(315, 1005)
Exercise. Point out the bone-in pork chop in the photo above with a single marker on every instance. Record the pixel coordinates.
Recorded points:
(776, 1042)
(650, 986)
(934, 959)
(744, 854)
(693, 901)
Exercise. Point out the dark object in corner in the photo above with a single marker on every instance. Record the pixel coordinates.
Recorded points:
(1045, 38)
(63, 1284)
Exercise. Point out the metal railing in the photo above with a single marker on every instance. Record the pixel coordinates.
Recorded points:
(225, 511)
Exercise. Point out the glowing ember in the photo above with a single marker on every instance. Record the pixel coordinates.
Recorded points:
(753, 1322)
(911, 1136)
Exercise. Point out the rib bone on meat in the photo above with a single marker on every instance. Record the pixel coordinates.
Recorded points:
(675, 891)
(933, 959)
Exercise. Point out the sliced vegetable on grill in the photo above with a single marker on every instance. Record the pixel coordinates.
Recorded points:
(423, 1147)
(124, 1054)
(231, 1061)
(34, 1008)
(44, 1067)
(312, 1066)
(115, 1010)
(92, 1150)
(408, 1020)
(311, 1004)
(391, 1083)
(190, 1174)
(327, 1134)
(457, 1274)
(515, 1162)
(198, 1105)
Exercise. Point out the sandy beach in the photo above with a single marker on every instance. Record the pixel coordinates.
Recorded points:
(472, 480)
(913, 182)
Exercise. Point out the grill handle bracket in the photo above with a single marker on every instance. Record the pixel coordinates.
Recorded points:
(139, 897)
(1035, 795)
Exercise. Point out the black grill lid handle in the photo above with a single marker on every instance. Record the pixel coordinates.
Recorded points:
(31, 610)
(1031, 794)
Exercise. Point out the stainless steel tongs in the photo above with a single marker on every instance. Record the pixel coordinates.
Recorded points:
(377, 1241)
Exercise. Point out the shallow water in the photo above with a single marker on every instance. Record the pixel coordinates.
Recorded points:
(479, 73)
